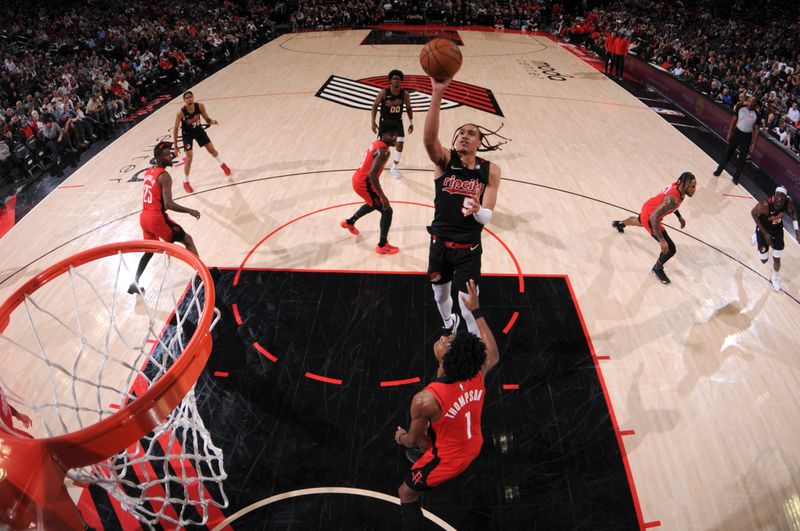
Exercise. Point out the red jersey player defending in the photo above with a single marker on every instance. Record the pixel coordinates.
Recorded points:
(653, 212)
(156, 200)
(449, 409)
(366, 184)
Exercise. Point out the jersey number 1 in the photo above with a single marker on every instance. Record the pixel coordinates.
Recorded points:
(469, 424)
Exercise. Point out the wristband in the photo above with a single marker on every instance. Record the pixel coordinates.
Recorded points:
(483, 216)
(477, 313)
(411, 122)
(795, 225)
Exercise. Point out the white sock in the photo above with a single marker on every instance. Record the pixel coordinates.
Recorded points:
(219, 158)
(441, 294)
(185, 178)
(396, 157)
(472, 325)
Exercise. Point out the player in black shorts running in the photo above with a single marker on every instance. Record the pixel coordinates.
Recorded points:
(466, 193)
(391, 102)
(768, 215)
(188, 119)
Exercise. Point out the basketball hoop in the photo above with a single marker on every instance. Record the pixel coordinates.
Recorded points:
(108, 381)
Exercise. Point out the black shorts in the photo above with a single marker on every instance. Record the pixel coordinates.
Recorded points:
(777, 239)
(397, 123)
(197, 134)
(459, 265)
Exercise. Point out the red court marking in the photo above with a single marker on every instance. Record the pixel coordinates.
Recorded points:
(656, 523)
(72, 186)
(625, 433)
(604, 357)
(637, 506)
(511, 322)
(323, 378)
(151, 341)
(265, 352)
(392, 383)
(113, 406)
(739, 196)
(235, 308)
(221, 374)
(88, 511)
(510, 387)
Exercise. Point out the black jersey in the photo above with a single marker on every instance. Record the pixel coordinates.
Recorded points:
(392, 106)
(773, 219)
(190, 119)
(455, 184)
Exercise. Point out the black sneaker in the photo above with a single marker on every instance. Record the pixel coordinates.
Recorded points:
(660, 275)
(717, 172)
(133, 289)
(736, 181)
(447, 330)
(620, 226)
(413, 455)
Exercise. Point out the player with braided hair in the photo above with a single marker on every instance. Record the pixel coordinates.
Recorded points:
(156, 200)
(466, 193)
(653, 212)
(446, 415)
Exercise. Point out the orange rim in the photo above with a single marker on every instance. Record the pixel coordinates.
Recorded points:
(94, 443)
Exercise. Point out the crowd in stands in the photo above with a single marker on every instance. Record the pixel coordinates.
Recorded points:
(727, 50)
(72, 71)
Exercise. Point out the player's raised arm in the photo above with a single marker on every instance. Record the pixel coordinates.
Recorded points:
(430, 134)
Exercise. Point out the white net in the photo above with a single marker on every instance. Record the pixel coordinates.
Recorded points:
(86, 348)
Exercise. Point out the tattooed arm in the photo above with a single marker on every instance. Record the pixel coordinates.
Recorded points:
(667, 205)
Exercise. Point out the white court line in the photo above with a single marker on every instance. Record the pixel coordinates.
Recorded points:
(686, 125)
(326, 490)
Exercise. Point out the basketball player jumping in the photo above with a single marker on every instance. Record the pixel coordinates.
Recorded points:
(156, 200)
(449, 410)
(391, 101)
(366, 183)
(653, 212)
(466, 193)
(768, 215)
(188, 119)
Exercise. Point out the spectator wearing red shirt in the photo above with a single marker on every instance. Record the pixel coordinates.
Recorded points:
(608, 45)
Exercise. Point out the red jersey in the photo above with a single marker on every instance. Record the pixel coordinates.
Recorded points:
(651, 204)
(457, 434)
(151, 194)
(362, 174)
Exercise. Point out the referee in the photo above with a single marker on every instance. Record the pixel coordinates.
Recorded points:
(743, 136)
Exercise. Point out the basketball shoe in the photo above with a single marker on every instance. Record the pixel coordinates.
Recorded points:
(394, 171)
(660, 275)
(620, 226)
(352, 228)
(776, 281)
(387, 249)
(188, 187)
(225, 169)
(455, 320)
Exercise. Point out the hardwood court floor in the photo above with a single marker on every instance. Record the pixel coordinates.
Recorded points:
(701, 374)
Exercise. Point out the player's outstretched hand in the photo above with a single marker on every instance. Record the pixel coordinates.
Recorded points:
(471, 302)
(195, 213)
(440, 86)
(683, 222)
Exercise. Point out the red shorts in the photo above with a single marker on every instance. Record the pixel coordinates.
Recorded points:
(431, 470)
(363, 188)
(158, 226)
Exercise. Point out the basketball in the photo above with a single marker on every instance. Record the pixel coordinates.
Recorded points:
(440, 59)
